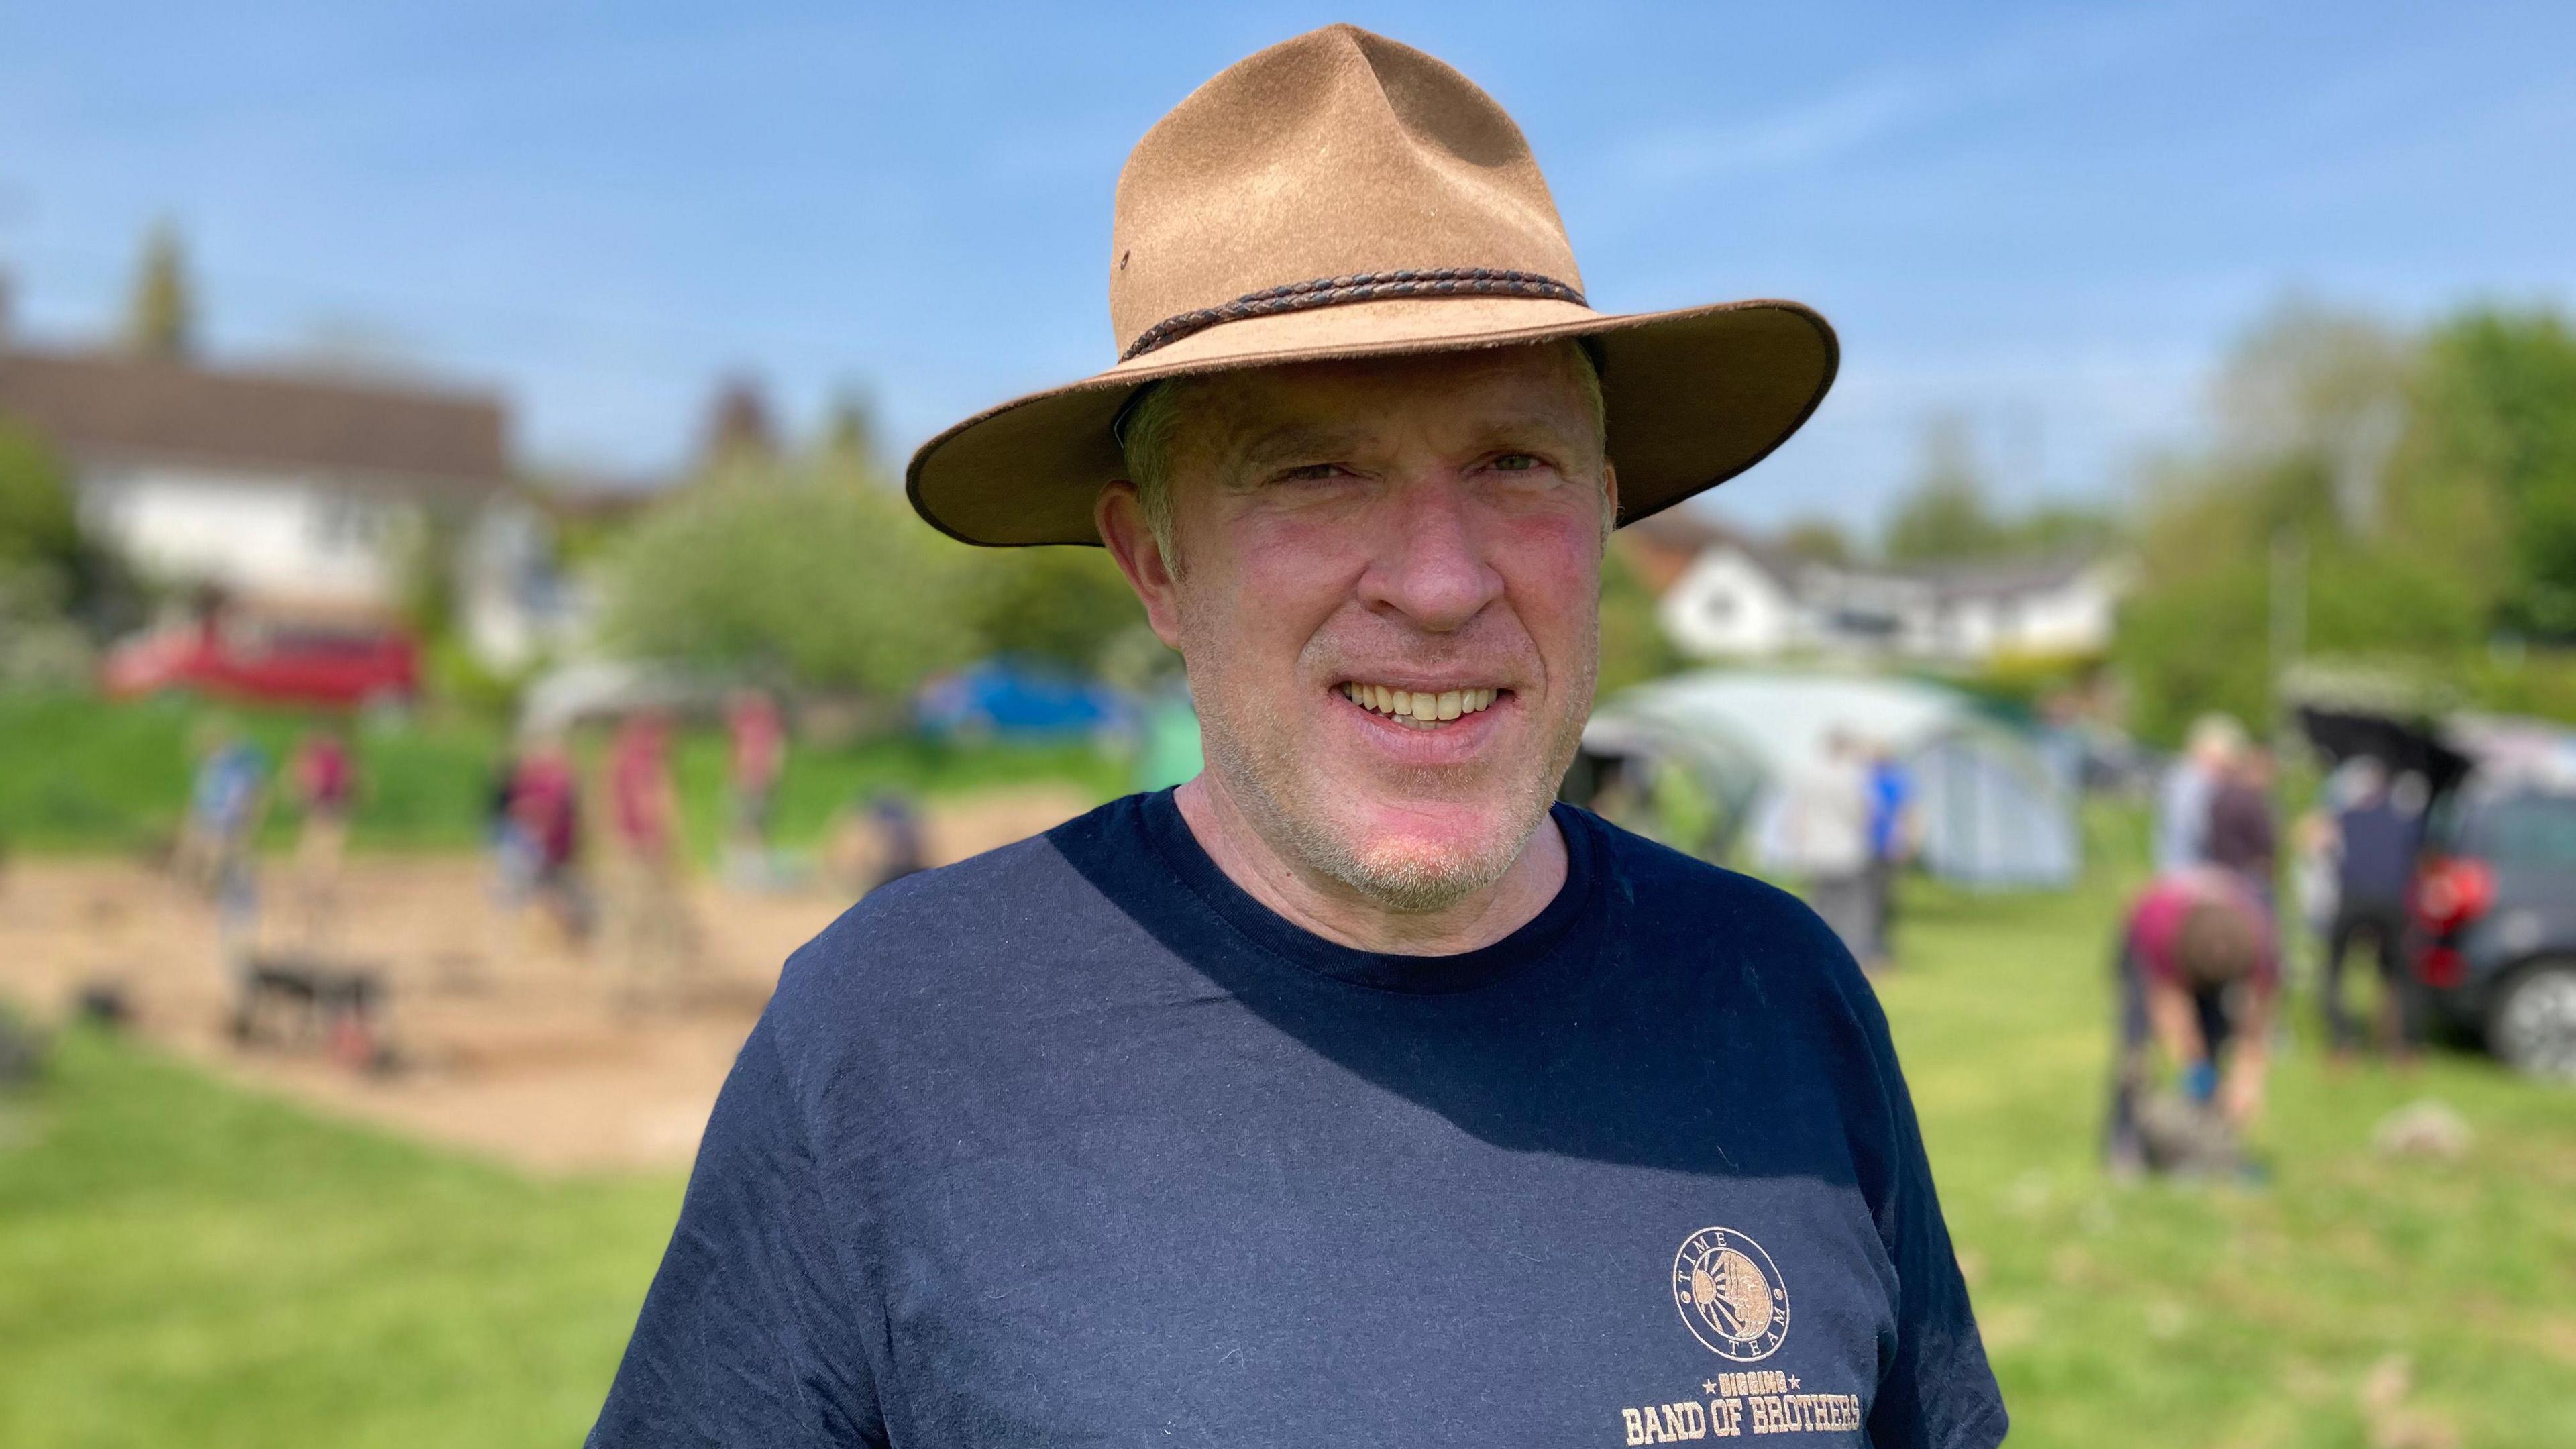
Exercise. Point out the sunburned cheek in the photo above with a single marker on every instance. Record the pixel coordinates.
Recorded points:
(1551, 569)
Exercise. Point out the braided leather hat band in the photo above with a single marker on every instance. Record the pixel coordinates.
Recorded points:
(1359, 287)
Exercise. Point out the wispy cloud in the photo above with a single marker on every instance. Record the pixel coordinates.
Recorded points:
(1802, 135)
(1864, 110)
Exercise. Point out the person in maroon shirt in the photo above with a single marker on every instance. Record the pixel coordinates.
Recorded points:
(2198, 977)
(544, 809)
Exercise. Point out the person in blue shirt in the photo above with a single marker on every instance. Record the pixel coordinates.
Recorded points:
(1891, 846)
(1351, 1092)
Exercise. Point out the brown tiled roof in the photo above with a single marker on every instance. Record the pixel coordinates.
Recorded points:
(105, 405)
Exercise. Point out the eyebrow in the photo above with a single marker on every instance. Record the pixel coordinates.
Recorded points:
(1294, 440)
(1312, 440)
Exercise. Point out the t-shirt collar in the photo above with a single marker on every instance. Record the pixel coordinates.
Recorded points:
(1179, 850)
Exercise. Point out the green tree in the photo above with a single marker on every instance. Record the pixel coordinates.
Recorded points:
(1634, 646)
(2057, 528)
(1817, 540)
(1060, 605)
(822, 577)
(161, 320)
(39, 523)
(2191, 631)
(2334, 499)
(2330, 386)
(850, 433)
(741, 437)
(2497, 441)
(1946, 515)
(50, 580)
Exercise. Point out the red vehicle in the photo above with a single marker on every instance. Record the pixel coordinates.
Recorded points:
(269, 663)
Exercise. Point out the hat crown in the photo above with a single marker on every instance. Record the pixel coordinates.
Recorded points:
(1335, 154)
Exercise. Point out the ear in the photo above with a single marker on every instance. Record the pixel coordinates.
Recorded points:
(1119, 515)
(1609, 498)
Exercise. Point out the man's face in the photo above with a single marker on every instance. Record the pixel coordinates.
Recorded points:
(1387, 594)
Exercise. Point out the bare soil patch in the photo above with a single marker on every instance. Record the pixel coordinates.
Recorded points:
(507, 1040)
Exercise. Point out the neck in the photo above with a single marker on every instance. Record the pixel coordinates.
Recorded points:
(1335, 911)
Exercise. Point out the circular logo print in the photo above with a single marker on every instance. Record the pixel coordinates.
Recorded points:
(1730, 1294)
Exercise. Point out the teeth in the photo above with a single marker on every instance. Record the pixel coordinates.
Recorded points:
(1419, 708)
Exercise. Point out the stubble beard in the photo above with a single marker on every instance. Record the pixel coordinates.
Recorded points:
(1283, 799)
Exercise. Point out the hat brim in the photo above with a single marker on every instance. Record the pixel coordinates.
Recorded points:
(1694, 396)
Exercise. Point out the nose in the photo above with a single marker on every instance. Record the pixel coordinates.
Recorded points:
(1430, 569)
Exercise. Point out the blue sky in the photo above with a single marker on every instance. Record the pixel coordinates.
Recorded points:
(2049, 220)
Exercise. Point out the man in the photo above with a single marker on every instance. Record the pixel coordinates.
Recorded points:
(2374, 865)
(540, 835)
(326, 791)
(2183, 801)
(2197, 982)
(1349, 1093)
(1824, 835)
(755, 756)
(221, 848)
(2243, 836)
(1892, 830)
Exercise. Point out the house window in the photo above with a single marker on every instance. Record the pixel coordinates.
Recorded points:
(1865, 624)
(342, 524)
(1718, 608)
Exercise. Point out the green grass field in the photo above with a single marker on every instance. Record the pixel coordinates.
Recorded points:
(85, 775)
(184, 1264)
(2183, 1315)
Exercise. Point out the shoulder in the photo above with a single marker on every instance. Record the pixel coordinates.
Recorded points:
(937, 934)
(984, 930)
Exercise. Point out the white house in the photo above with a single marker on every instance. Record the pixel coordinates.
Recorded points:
(2055, 606)
(1738, 599)
(1730, 601)
(295, 496)
(292, 494)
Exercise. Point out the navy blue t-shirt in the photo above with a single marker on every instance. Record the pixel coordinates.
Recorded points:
(1077, 1143)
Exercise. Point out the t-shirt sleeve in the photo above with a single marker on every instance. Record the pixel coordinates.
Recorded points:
(1935, 1390)
(749, 1335)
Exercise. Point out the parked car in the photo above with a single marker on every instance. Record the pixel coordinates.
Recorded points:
(278, 664)
(2495, 911)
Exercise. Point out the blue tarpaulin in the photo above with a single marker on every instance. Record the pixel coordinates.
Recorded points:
(1006, 698)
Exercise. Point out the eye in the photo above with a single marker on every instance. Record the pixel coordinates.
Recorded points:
(1517, 463)
(1312, 473)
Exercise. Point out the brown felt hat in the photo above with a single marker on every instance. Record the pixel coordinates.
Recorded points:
(1340, 195)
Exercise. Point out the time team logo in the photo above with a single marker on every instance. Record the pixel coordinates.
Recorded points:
(1730, 1294)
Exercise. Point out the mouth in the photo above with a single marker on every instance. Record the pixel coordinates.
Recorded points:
(1417, 708)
